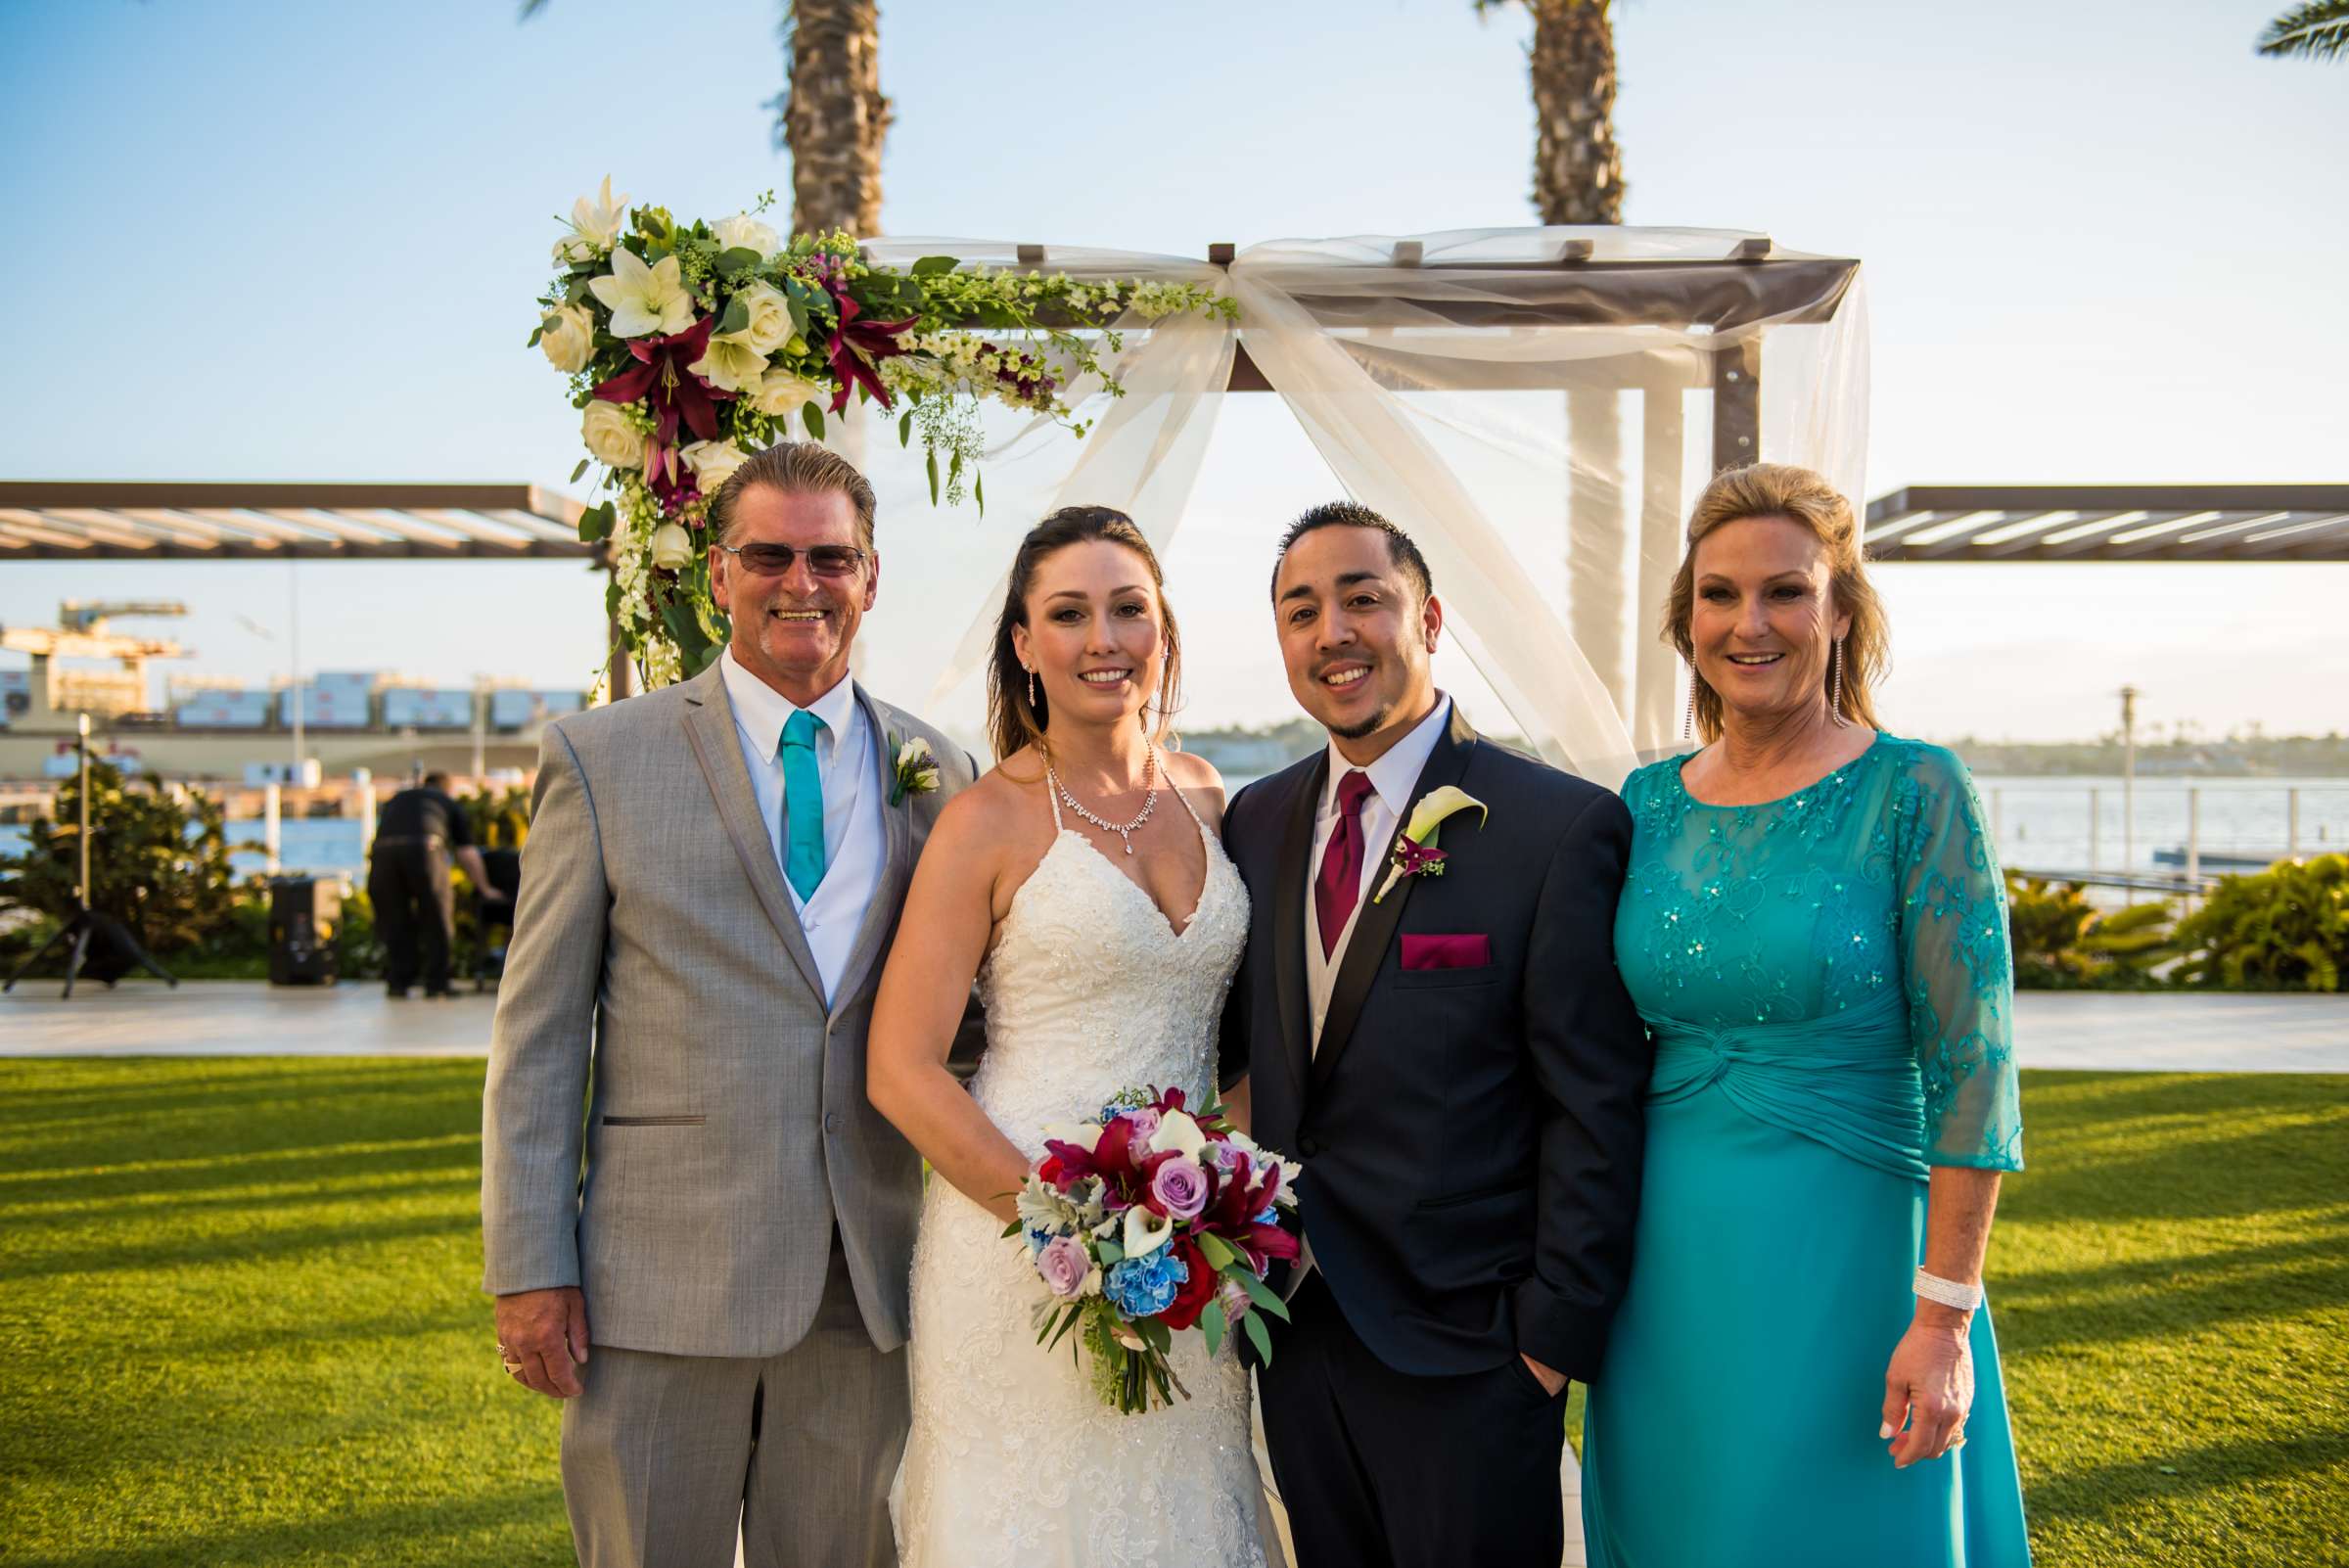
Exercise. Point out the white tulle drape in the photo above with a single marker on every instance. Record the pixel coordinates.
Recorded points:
(1545, 469)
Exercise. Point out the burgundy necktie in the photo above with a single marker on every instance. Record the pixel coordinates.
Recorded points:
(1339, 882)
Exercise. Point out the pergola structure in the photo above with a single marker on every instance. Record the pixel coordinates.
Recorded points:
(2200, 523)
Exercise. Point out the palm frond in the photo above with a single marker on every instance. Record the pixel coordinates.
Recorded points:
(2318, 31)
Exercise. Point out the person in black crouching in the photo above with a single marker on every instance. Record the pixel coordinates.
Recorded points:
(407, 882)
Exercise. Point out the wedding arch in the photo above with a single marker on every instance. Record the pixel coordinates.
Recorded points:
(1536, 405)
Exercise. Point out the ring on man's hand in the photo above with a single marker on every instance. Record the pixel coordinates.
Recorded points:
(513, 1369)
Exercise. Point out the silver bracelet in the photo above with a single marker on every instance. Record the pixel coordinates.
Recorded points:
(1948, 1292)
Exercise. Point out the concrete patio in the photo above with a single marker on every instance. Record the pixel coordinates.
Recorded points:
(2159, 1032)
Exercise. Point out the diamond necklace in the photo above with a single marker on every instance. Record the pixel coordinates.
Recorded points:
(1124, 830)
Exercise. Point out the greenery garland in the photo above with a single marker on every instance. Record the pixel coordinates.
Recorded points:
(689, 347)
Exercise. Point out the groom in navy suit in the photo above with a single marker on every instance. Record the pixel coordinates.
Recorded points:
(1456, 1064)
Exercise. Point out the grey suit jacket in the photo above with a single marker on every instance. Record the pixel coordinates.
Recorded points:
(659, 977)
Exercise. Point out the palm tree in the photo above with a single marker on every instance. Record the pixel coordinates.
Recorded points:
(2318, 31)
(831, 117)
(1578, 168)
(1578, 178)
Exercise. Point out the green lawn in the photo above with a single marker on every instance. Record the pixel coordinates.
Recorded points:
(238, 1322)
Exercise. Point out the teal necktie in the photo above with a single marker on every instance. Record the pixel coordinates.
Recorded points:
(802, 805)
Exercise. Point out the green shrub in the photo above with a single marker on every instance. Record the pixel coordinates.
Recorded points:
(159, 862)
(2062, 941)
(2283, 929)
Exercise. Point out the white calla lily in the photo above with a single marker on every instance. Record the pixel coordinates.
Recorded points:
(1437, 804)
(1146, 1232)
(1177, 1134)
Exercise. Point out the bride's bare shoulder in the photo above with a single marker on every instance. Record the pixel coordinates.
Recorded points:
(1199, 782)
(1000, 815)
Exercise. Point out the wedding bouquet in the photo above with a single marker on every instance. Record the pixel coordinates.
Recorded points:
(1147, 1221)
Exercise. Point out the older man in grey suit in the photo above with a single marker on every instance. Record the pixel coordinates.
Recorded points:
(714, 874)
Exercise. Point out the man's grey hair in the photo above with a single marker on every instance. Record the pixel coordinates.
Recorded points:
(796, 468)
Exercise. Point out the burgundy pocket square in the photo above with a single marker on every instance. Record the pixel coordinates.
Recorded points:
(1447, 950)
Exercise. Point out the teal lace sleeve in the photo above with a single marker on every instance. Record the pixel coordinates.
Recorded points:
(1956, 965)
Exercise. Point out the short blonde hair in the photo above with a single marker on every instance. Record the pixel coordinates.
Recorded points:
(1799, 495)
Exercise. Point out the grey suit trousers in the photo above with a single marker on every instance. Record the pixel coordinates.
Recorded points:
(661, 1452)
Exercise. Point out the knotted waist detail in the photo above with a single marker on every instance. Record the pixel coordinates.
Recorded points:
(1848, 1080)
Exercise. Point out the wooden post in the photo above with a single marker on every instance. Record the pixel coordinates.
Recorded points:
(1737, 404)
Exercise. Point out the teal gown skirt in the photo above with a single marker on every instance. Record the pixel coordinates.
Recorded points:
(1735, 1423)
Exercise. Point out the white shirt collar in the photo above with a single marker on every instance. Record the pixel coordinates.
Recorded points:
(762, 710)
(1398, 770)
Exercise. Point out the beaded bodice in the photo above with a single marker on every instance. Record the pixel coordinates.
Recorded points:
(1876, 879)
(1091, 990)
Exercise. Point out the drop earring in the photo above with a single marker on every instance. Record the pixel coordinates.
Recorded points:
(1835, 683)
(1688, 715)
(1031, 687)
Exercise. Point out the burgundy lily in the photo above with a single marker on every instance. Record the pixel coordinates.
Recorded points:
(858, 344)
(663, 378)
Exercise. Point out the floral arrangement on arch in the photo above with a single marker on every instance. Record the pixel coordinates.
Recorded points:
(690, 345)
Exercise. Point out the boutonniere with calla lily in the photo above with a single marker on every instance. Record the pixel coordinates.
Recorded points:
(914, 771)
(1415, 853)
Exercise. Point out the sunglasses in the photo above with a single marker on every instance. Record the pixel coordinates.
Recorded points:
(774, 560)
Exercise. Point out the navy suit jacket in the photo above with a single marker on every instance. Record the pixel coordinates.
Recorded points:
(1471, 1136)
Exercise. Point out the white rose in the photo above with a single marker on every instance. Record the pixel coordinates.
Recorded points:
(672, 547)
(770, 318)
(781, 393)
(745, 232)
(731, 365)
(567, 337)
(712, 461)
(611, 439)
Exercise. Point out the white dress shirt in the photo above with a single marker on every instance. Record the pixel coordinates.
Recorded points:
(856, 841)
(1391, 779)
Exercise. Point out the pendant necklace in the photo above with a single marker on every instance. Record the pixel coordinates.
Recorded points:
(1124, 830)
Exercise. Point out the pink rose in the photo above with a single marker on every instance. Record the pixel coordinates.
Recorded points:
(1064, 1266)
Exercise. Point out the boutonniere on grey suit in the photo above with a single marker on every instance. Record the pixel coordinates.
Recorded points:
(913, 770)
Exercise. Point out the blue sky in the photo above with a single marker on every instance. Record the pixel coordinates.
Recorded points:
(2105, 243)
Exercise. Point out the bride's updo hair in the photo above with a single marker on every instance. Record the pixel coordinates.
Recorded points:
(1012, 721)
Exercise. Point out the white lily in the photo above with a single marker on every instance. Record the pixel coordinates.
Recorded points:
(729, 363)
(643, 300)
(597, 218)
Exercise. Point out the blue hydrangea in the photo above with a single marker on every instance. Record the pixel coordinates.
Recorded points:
(1145, 1287)
(1038, 1237)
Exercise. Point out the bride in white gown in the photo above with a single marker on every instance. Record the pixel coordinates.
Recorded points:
(1082, 885)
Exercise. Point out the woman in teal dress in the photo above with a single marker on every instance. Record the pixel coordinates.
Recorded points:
(1815, 929)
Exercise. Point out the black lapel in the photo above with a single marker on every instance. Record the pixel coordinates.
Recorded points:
(1288, 919)
(1374, 927)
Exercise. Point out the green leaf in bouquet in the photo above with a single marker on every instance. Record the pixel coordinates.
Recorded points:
(686, 630)
(1259, 1335)
(595, 522)
(979, 492)
(576, 291)
(1155, 1335)
(1257, 1291)
(536, 333)
(1211, 1324)
(582, 468)
(737, 317)
(905, 428)
(933, 476)
(814, 418)
(1106, 1253)
(934, 263)
(1010, 1231)
(1067, 1323)
(1219, 1254)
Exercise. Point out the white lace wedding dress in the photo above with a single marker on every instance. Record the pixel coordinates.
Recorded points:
(1013, 1459)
